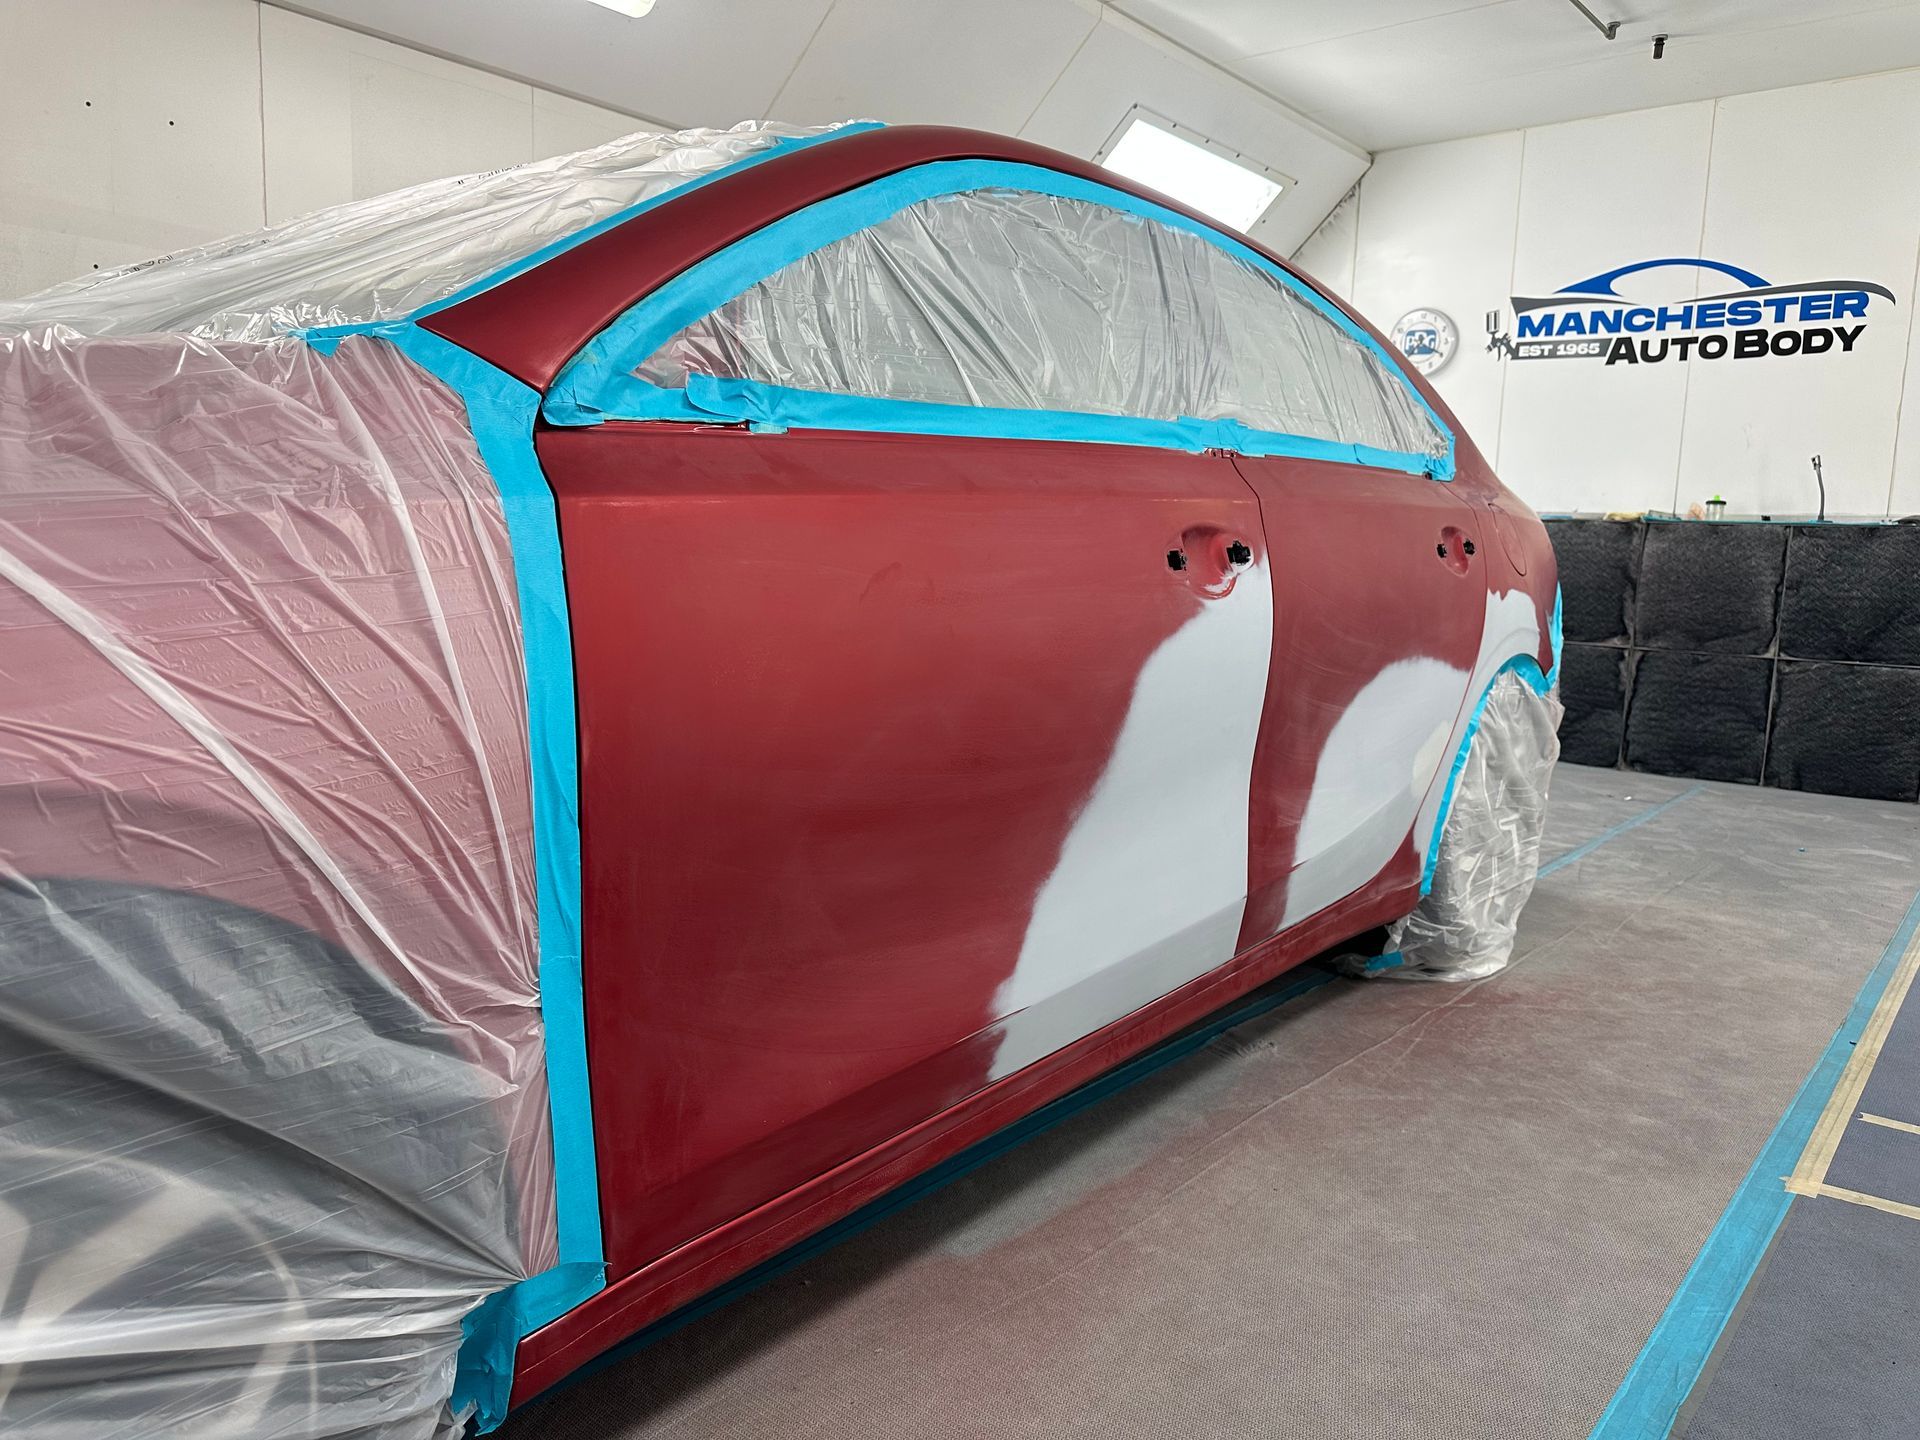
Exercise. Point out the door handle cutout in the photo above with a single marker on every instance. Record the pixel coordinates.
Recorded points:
(1455, 549)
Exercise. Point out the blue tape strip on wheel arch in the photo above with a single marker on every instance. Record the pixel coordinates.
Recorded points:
(1527, 667)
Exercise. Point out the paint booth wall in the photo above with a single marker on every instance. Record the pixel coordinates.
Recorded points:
(130, 128)
(1784, 655)
(133, 130)
(1816, 182)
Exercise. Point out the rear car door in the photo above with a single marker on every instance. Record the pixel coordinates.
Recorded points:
(1380, 599)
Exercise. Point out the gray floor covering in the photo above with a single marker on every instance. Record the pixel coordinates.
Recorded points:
(1386, 1210)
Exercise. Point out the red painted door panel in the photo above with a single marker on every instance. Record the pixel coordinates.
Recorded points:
(1376, 633)
(851, 706)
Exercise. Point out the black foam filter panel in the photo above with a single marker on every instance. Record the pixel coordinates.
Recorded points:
(1707, 586)
(1847, 730)
(1599, 562)
(1593, 687)
(1703, 716)
(1852, 592)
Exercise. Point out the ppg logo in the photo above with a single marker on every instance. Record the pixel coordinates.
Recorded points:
(1427, 338)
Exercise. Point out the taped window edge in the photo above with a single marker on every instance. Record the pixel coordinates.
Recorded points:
(596, 384)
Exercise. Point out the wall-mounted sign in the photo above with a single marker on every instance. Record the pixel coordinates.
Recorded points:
(1427, 338)
(1742, 317)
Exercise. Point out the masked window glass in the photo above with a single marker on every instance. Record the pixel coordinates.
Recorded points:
(1018, 300)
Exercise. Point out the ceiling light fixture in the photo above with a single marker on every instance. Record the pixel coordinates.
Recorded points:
(1193, 170)
(632, 9)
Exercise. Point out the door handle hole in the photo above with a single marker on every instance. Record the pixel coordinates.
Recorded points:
(1176, 559)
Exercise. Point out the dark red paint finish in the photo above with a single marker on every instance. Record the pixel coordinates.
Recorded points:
(531, 325)
(1355, 560)
(842, 696)
(663, 1286)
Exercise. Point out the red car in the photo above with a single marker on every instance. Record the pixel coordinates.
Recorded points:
(564, 735)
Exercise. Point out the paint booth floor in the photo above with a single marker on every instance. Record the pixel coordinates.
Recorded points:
(1388, 1209)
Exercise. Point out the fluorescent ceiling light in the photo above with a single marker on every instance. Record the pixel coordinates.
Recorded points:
(1230, 192)
(633, 8)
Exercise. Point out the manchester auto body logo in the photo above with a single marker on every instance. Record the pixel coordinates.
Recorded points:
(1744, 318)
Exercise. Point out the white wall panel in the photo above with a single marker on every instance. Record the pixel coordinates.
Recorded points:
(1816, 183)
(126, 129)
(414, 117)
(347, 116)
(690, 62)
(1594, 195)
(1436, 225)
(562, 125)
(1328, 254)
(1119, 67)
(1905, 499)
(306, 113)
(984, 64)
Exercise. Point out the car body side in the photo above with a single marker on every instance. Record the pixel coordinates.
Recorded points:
(917, 786)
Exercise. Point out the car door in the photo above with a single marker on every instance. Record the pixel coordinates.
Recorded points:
(886, 739)
(1380, 600)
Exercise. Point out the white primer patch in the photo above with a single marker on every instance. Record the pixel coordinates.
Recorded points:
(1378, 763)
(1511, 628)
(1151, 885)
(1382, 771)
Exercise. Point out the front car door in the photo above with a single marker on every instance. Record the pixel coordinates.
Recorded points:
(902, 756)
(909, 758)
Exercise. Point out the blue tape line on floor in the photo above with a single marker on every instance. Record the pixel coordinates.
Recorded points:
(1666, 1370)
(1580, 852)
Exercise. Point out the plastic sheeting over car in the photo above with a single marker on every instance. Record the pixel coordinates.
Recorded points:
(273, 1107)
(274, 1111)
(1017, 300)
(390, 255)
(1490, 846)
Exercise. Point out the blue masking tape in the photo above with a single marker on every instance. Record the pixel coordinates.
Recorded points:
(1614, 832)
(598, 384)
(501, 412)
(780, 407)
(579, 237)
(1676, 1353)
(1527, 667)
